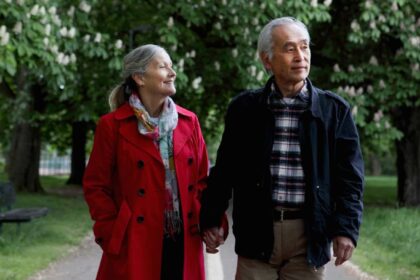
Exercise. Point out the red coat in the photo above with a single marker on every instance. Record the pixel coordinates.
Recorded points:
(124, 188)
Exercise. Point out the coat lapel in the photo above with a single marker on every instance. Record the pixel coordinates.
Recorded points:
(182, 133)
(129, 131)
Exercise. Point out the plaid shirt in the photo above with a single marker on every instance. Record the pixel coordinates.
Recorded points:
(287, 173)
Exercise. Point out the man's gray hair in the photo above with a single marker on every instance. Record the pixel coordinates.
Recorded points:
(265, 40)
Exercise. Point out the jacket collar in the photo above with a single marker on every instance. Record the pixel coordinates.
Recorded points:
(314, 107)
(129, 130)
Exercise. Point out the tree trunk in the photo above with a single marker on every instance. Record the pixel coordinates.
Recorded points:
(375, 165)
(24, 156)
(408, 156)
(22, 164)
(78, 153)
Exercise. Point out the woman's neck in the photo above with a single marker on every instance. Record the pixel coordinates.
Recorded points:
(153, 105)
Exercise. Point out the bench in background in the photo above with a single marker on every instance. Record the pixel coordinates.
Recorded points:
(17, 215)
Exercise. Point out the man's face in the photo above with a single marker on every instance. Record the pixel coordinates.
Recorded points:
(291, 59)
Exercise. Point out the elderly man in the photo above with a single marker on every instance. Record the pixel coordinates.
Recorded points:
(291, 154)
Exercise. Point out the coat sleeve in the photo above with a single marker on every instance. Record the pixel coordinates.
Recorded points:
(215, 198)
(97, 181)
(348, 179)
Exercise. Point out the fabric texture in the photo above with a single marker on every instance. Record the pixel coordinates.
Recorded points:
(160, 130)
(332, 164)
(288, 178)
(124, 187)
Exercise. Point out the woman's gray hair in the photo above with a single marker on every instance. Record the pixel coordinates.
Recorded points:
(135, 62)
(265, 40)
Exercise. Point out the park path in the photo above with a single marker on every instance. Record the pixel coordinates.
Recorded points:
(81, 263)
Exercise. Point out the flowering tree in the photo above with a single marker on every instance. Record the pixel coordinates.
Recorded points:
(46, 55)
(372, 49)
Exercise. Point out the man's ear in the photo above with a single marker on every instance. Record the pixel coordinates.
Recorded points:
(266, 61)
(138, 78)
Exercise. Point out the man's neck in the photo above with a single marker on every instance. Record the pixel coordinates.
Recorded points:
(290, 90)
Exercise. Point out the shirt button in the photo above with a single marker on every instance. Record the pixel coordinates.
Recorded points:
(140, 164)
(140, 219)
(317, 187)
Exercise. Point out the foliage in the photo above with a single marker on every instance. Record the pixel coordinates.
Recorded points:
(54, 44)
(377, 65)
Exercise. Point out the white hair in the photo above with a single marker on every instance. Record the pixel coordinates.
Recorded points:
(265, 39)
(135, 62)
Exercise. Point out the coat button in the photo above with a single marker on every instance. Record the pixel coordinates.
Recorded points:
(140, 164)
(190, 215)
(190, 160)
(141, 192)
(140, 219)
(190, 188)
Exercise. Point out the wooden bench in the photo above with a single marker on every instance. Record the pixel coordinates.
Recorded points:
(17, 215)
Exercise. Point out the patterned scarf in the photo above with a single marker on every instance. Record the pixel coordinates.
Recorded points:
(160, 130)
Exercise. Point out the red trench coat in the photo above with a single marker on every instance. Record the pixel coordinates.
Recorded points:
(124, 189)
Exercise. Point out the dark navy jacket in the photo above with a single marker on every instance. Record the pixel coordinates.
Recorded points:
(332, 163)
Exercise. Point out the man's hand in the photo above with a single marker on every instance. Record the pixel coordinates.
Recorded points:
(213, 237)
(342, 248)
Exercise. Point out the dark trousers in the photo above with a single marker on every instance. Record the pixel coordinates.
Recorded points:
(172, 258)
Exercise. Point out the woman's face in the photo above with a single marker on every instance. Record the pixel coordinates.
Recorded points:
(159, 77)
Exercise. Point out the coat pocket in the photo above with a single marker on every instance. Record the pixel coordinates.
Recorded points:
(119, 229)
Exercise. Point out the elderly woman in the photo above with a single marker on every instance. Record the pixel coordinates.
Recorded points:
(145, 174)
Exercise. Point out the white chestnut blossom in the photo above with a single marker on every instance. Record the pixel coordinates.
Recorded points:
(56, 19)
(415, 41)
(86, 38)
(373, 61)
(382, 84)
(47, 29)
(253, 70)
(368, 4)
(260, 76)
(217, 65)
(394, 6)
(42, 11)
(336, 68)
(192, 53)
(52, 10)
(327, 2)
(118, 44)
(235, 52)
(85, 7)
(350, 68)
(46, 41)
(218, 25)
(354, 111)
(279, 2)
(314, 3)
(415, 67)
(196, 82)
(359, 91)
(98, 38)
(72, 32)
(54, 49)
(372, 25)
(71, 11)
(35, 10)
(355, 26)
(18, 27)
(378, 116)
(20, 2)
(369, 88)
(170, 22)
(73, 58)
(4, 36)
(63, 32)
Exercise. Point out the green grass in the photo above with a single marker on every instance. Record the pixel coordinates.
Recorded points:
(389, 242)
(43, 240)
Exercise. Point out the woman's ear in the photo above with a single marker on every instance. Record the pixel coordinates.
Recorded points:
(138, 78)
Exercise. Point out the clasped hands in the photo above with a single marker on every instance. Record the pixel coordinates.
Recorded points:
(213, 238)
